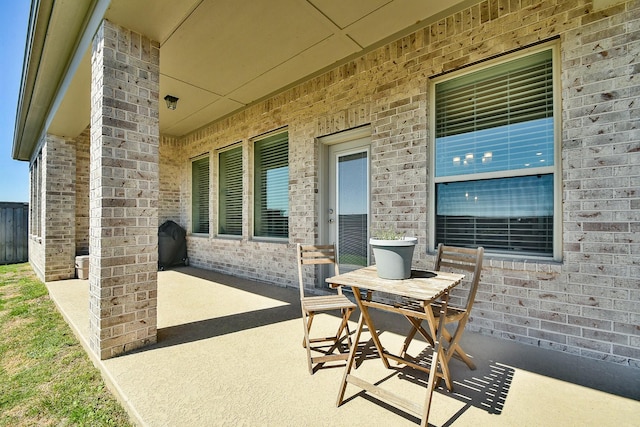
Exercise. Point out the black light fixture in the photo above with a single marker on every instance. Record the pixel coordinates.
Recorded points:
(172, 102)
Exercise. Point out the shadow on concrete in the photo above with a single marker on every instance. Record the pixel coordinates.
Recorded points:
(209, 328)
(486, 387)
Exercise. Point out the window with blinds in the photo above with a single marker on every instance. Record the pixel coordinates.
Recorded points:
(200, 195)
(271, 186)
(494, 157)
(230, 192)
(36, 197)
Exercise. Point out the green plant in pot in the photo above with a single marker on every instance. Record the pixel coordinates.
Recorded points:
(393, 253)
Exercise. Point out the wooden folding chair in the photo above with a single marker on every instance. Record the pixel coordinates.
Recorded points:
(450, 258)
(314, 255)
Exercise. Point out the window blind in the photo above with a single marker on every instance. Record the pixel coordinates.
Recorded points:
(230, 192)
(503, 215)
(514, 92)
(200, 195)
(272, 186)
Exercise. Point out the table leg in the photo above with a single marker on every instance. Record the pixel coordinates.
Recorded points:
(437, 350)
(437, 329)
(374, 333)
(352, 351)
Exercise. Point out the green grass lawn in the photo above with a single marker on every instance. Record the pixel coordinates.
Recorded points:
(46, 378)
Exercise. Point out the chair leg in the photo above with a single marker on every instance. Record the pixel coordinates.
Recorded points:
(344, 327)
(452, 344)
(342, 333)
(417, 327)
(407, 341)
(306, 320)
(455, 348)
(347, 315)
(307, 326)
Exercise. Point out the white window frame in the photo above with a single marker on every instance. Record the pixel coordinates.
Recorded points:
(556, 170)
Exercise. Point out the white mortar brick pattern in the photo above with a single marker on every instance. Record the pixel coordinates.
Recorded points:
(82, 192)
(589, 303)
(58, 208)
(169, 209)
(124, 190)
(36, 248)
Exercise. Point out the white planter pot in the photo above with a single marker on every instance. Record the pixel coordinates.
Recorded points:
(393, 257)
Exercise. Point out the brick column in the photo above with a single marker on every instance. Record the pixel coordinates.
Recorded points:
(58, 204)
(123, 229)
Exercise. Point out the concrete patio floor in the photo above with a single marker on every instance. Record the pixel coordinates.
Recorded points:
(229, 353)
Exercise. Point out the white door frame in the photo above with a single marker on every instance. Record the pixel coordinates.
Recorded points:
(361, 135)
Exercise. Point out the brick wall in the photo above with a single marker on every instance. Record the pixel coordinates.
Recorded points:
(82, 192)
(171, 160)
(169, 191)
(124, 187)
(52, 247)
(601, 173)
(36, 194)
(588, 303)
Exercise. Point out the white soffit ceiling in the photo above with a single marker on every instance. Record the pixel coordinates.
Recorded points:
(218, 56)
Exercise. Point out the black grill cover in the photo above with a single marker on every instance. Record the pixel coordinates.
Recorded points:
(172, 245)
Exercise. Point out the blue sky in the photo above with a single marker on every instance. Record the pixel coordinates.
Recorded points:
(14, 175)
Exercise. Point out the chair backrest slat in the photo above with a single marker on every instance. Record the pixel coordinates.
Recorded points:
(307, 261)
(466, 259)
(313, 255)
(457, 265)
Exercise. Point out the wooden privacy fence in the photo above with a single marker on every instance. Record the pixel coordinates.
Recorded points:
(14, 232)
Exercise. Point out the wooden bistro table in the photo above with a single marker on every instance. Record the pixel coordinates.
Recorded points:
(424, 287)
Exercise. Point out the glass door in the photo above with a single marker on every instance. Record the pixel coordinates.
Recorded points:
(348, 203)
